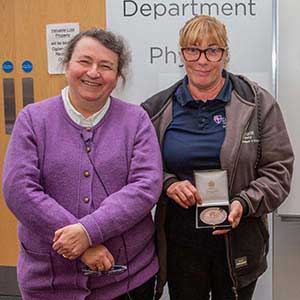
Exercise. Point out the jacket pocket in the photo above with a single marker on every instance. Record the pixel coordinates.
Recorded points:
(64, 272)
(34, 270)
(263, 225)
(136, 256)
(249, 243)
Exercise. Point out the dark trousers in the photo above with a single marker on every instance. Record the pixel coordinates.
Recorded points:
(143, 292)
(195, 276)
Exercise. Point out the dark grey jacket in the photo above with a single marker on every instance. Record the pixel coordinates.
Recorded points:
(258, 157)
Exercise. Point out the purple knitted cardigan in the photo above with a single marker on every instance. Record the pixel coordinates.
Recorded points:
(46, 187)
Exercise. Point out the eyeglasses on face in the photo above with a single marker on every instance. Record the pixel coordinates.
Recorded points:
(212, 54)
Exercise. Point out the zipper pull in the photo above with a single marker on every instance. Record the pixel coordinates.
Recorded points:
(236, 297)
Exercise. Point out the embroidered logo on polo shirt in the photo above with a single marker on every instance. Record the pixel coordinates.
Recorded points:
(219, 119)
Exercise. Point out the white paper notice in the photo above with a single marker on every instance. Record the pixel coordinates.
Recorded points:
(58, 36)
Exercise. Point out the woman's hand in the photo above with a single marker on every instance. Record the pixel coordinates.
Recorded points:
(70, 241)
(184, 193)
(98, 258)
(234, 218)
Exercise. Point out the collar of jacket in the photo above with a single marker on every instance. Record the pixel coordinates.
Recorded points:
(155, 106)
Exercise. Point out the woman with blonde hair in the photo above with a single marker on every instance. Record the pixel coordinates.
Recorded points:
(210, 120)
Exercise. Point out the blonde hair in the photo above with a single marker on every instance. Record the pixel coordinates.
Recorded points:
(203, 28)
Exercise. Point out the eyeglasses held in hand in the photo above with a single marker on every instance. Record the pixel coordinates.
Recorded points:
(115, 270)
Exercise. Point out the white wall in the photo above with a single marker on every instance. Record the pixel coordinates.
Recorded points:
(287, 233)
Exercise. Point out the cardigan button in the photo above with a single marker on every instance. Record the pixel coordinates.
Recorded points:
(88, 129)
(86, 173)
(88, 149)
(86, 199)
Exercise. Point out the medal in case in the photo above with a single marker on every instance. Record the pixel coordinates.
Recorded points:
(213, 189)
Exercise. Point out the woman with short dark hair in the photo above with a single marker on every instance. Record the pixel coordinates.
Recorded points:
(81, 174)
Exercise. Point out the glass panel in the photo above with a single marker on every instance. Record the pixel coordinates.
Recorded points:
(27, 89)
(9, 104)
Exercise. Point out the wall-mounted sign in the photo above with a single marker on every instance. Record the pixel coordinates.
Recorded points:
(249, 24)
(7, 66)
(58, 36)
(27, 66)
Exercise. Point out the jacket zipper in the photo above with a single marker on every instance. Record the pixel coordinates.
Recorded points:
(231, 273)
(236, 161)
(227, 239)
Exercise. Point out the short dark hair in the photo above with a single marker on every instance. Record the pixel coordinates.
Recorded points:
(109, 40)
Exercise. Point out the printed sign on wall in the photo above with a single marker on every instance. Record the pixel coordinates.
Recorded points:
(151, 28)
(58, 36)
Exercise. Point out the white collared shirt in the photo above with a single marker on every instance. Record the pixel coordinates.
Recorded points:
(77, 117)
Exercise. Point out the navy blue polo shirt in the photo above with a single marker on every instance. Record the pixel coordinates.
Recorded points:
(193, 141)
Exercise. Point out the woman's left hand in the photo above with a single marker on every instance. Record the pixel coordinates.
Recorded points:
(234, 218)
(70, 241)
(98, 258)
